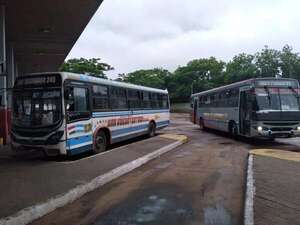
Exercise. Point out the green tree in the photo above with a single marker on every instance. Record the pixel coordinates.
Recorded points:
(268, 62)
(290, 63)
(156, 78)
(197, 75)
(241, 67)
(91, 67)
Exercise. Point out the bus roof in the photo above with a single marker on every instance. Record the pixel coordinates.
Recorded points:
(239, 84)
(91, 79)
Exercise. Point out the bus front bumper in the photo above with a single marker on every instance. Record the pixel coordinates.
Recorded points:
(48, 150)
(275, 132)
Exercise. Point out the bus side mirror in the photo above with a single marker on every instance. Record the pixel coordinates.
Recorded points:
(67, 93)
(192, 105)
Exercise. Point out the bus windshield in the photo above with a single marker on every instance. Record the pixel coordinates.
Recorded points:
(37, 108)
(276, 99)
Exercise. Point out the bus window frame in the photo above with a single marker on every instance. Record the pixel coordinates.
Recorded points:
(110, 99)
(94, 96)
(78, 84)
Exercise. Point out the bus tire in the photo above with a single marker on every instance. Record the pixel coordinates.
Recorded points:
(100, 144)
(151, 129)
(233, 131)
(201, 124)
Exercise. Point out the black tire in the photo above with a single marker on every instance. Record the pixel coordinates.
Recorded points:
(201, 124)
(234, 131)
(100, 144)
(151, 130)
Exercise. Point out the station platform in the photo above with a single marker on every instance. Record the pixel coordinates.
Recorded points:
(34, 180)
(276, 176)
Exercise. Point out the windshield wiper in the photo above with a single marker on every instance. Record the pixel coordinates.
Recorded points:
(294, 91)
(268, 92)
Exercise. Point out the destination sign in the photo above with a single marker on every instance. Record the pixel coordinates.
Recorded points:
(39, 81)
(277, 83)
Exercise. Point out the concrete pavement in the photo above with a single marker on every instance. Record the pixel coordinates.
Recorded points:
(35, 181)
(201, 182)
(276, 176)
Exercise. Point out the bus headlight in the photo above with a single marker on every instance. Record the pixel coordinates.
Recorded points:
(55, 138)
(298, 128)
(259, 128)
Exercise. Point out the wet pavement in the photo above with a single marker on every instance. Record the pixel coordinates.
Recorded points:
(277, 187)
(33, 179)
(200, 183)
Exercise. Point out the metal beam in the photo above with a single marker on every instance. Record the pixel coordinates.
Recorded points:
(4, 116)
(3, 72)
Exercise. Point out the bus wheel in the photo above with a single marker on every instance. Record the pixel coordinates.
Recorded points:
(201, 124)
(151, 130)
(100, 142)
(234, 131)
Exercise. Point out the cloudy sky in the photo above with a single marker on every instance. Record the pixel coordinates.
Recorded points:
(138, 34)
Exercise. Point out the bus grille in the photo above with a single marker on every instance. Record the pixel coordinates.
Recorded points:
(29, 142)
(281, 129)
(282, 124)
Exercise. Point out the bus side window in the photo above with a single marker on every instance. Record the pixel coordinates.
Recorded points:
(77, 103)
(165, 102)
(146, 103)
(134, 99)
(100, 98)
(154, 101)
(118, 98)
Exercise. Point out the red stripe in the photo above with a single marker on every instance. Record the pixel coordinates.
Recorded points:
(71, 127)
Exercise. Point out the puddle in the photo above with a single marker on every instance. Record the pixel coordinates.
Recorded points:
(225, 143)
(183, 154)
(217, 215)
(163, 165)
(150, 208)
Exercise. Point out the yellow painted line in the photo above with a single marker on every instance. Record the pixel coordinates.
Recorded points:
(176, 137)
(278, 154)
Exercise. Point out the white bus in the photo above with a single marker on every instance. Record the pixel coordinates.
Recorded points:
(67, 114)
(261, 108)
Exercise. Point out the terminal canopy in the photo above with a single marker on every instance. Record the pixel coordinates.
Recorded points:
(42, 32)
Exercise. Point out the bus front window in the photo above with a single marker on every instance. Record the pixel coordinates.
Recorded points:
(276, 99)
(289, 100)
(37, 108)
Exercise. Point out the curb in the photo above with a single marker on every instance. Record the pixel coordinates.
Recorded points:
(32, 213)
(250, 191)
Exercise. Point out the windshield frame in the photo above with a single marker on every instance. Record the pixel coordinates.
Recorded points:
(41, 89)
(275, 92)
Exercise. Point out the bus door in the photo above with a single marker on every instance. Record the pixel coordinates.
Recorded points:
(245, 112)
(195, 107)
(79, 123)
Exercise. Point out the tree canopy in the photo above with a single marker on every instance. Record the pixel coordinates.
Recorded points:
(157, 78)
(91, 67)
(203, 73)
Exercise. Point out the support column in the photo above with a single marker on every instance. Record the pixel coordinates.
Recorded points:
(10, 83)
(3, 80)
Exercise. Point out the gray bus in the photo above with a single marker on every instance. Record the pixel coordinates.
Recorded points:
(260, 108)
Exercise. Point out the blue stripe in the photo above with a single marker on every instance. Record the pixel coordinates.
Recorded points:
(79, 140)
(79, 150)
(79, 125)
(129, 129)
(142, 127)
(127, 113)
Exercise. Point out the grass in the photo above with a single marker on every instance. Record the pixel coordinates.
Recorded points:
(183, 107)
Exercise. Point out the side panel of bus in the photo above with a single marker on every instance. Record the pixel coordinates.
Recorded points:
(194, 117)
(218, 118)
(124, 125)
(79, 120)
